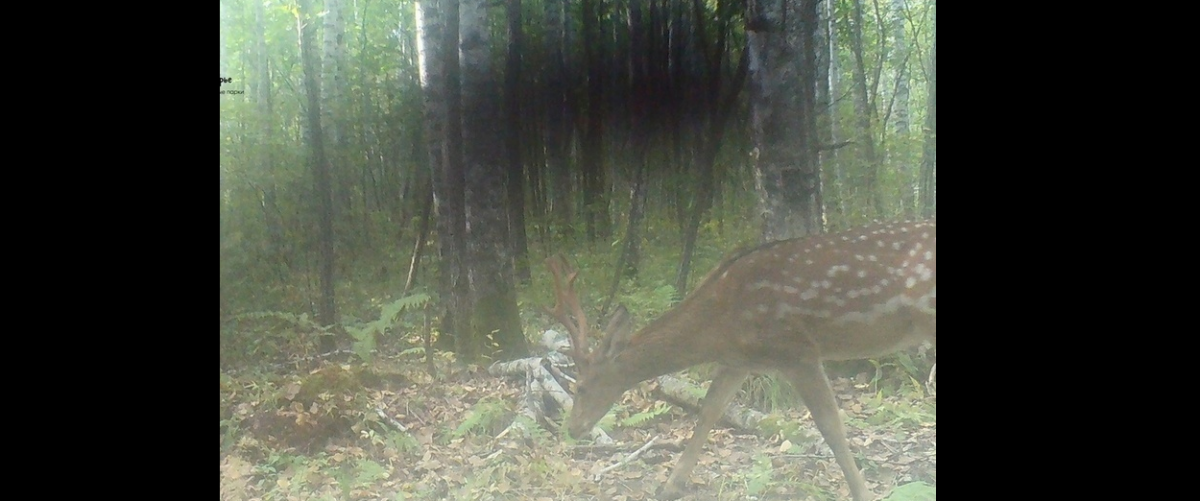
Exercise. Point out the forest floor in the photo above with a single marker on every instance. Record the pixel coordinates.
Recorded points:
(388, 430)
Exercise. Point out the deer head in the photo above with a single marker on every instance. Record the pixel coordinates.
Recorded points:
(598, 385)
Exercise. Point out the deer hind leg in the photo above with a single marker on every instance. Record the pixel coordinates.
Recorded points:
(810, 381)
(724, 386)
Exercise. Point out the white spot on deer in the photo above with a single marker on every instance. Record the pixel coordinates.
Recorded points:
(879, 243)
(762, 308)
(928, 255)
(875, 289)
(924, 234)
(912, 253)
(926, 274)
(790, 290)
(858, 257)
(818, 246)
(791, 259)
(862, 273)
(896, 245)
(852, 294)
(872, 258)
(836, 268)
(884, 283)
(808, 295)
(825, 284)
(910, 282)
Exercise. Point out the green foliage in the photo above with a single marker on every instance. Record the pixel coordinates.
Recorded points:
(760, 476)
(368, 471)
(790, 429)
(483, 417)
(916, 491)
(534, 431)
(770, 393)
(901, 362)
(652, 303)
(365, 335)
(300, 320)
(659, 409)
(900, 416)
(271, 335)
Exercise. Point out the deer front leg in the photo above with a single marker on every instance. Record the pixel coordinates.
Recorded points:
(810, 381)
(724, 386)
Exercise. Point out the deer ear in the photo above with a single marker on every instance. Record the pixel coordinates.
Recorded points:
(617, 332)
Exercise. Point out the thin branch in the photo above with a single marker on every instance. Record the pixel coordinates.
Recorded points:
(628, 458)
(835, 146)
(389, 420)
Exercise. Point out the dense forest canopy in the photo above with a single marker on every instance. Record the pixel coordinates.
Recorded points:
(577, 118)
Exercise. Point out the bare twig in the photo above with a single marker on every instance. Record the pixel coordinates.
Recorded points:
(389, 420)
(628, 458)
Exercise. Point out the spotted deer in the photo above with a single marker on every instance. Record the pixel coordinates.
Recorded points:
(785, 306)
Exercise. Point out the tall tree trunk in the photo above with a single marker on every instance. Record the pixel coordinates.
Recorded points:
(900, 66)
(422, 236)
(719, 113)
(430, 17)
(332, 71)
(839, 170)
(673, 54)
(557, 131)
(638, 93)
(438, 55)
(865, 111)
(928, 185)
(261, 91)
(595, 201)
(326, 311)
(899, 110)
(786, 168)
(493, 298)
(633, 232)
(516, 174)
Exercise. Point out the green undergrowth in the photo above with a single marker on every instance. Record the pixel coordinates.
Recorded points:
(313, 430)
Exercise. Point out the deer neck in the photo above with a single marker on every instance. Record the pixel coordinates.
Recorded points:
(668, 345)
